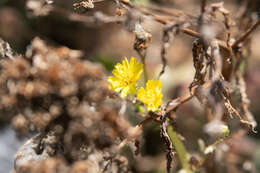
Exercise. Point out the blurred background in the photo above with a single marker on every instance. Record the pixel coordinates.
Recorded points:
(109, 44)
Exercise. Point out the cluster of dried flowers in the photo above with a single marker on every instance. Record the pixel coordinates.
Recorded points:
(56, 92)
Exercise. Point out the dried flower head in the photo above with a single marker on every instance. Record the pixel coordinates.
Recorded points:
(125, 77)
(152, 95)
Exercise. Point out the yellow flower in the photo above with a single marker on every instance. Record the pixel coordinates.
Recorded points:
(152, 95)
(125, 77)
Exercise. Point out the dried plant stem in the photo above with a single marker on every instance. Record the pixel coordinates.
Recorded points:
(232, 110)
(91, 21)
(145, 69)
(169, 11)
(246, 34)
(164, 21)
(245, 102)
(167, 142)
(174, 104)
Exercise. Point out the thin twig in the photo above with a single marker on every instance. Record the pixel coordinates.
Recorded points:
(246, 34)
(166, 43)
(169, 11)
(173, 105)
(164, 21)
(167, 141)
(97, 18)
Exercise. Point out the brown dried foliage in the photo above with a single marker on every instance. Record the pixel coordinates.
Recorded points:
(54, 91)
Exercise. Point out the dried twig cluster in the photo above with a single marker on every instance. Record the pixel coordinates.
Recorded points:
(54, 91)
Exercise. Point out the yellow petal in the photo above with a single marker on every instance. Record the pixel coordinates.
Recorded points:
(124, 91)
(151, 96)
(125, 76)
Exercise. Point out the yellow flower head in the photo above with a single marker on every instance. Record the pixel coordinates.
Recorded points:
(152, 95)
(125, 77)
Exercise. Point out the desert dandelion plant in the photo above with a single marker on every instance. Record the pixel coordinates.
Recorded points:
(151, 96)
(125, 76)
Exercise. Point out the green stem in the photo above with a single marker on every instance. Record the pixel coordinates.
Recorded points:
(145, 70)
(180, 149)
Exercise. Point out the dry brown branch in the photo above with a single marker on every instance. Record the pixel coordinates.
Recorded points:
(169, 11)
(245, 102)
(169, 29)
(245, 35)
(198, 54)
(157, 17)
(231, 110)
(97, 19)
(173, 105)
(167, 142)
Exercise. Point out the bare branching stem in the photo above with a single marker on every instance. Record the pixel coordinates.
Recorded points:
(176, 103)
(167, 142)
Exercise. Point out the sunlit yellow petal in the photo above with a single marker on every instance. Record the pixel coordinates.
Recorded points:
(125, 76)
(132, 89)
(125, 91)
(125, 63)
(152, 95)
